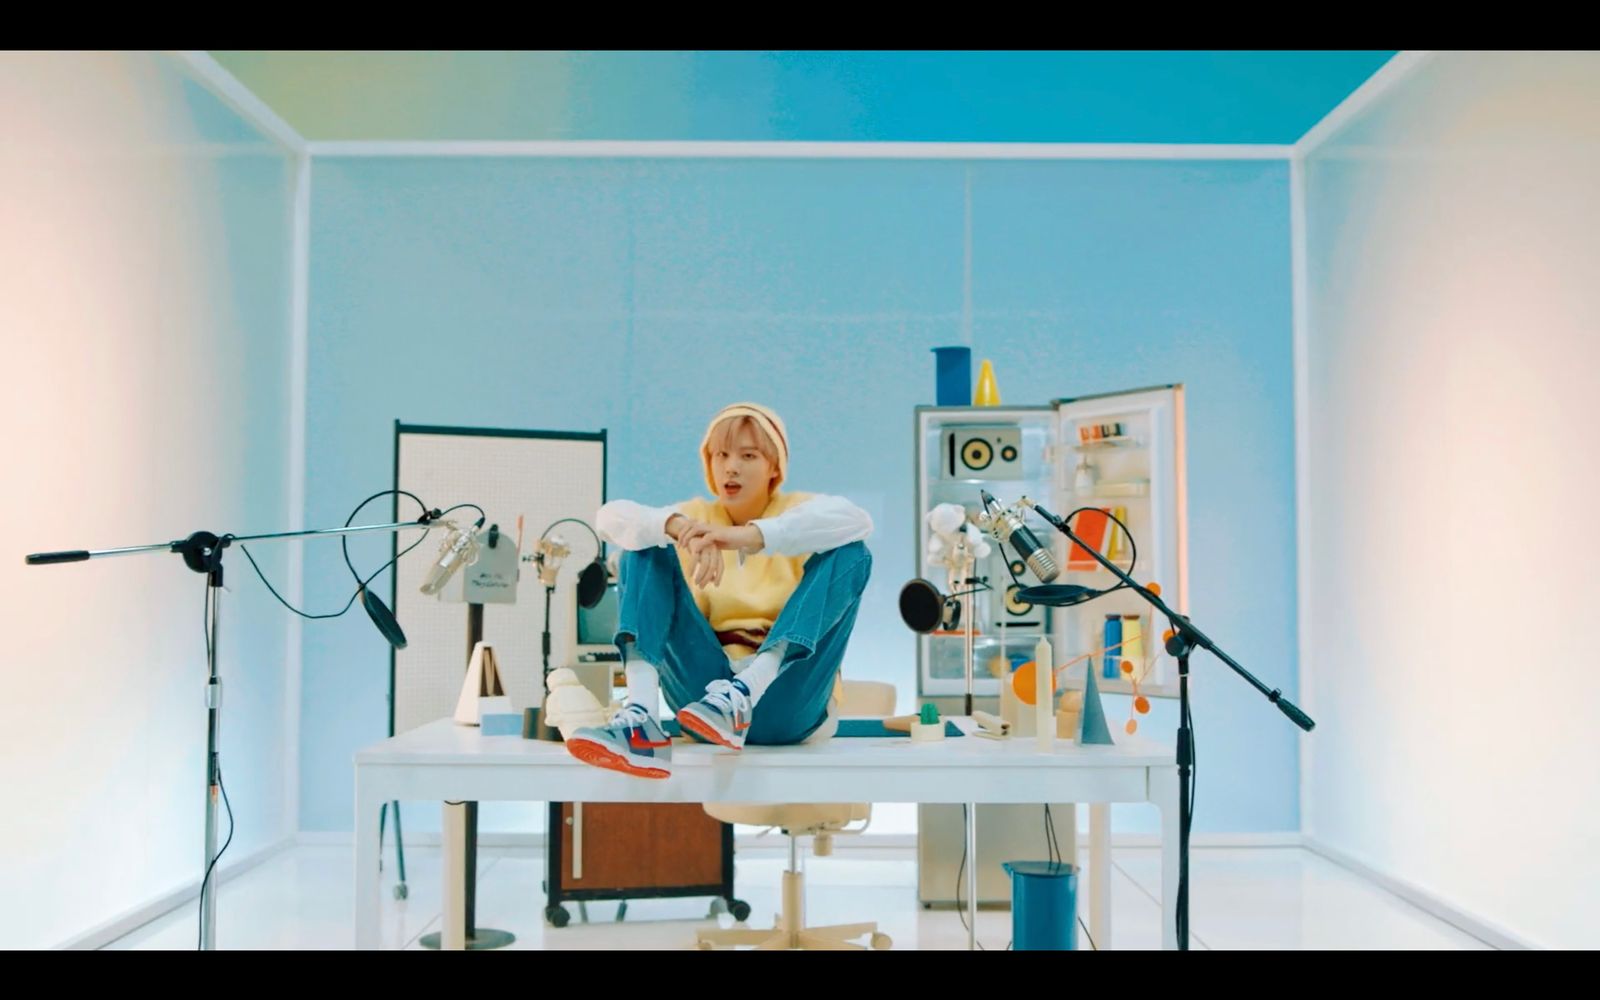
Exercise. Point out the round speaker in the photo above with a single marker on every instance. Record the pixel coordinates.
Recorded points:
(1017, 567)
(1014, 602)
(921, 606)
(977, 454)
(1008, 454)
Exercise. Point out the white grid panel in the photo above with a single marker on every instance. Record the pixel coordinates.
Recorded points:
(541, 478)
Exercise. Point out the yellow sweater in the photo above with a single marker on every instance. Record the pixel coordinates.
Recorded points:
(743, 606)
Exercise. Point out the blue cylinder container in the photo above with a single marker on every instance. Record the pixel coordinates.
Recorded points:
(1112, 662)
(953, 376)
(1044, 905)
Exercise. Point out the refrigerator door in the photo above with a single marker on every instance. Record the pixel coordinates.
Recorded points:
(1121, 453)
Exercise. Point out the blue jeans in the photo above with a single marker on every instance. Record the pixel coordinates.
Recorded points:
(658, 611)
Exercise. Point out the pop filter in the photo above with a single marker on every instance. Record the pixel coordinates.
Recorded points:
(924, 608)
(592, 583)
(383, 618)
(1057, 595)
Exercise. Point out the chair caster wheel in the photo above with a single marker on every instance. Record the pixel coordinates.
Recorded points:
(557, 915)
(740, 910)
(881, 942)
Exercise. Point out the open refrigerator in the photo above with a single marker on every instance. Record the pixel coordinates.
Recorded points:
(1121, 452)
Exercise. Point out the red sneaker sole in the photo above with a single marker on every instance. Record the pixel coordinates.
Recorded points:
(688, 720)
(599, 756)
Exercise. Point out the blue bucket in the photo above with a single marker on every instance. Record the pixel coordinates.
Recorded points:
(1044, 905)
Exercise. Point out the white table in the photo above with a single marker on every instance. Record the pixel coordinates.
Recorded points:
(443, 761)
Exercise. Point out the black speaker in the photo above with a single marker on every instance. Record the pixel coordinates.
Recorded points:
(981, 452)
(1015, 605)
(1010, 606)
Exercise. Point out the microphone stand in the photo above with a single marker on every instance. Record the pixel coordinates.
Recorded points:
(1182, 638)
(961, 574)
(962, 566)
(202, 552)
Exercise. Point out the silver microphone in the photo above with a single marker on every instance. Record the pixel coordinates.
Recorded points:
(549, 554)
(1005, 523)
(460, 549)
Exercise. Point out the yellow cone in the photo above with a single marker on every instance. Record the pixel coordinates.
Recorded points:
(987, 393)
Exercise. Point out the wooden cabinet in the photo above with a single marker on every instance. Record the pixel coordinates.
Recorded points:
(624, 850)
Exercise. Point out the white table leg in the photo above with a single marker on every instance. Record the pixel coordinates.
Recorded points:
(367, 848)
(453, 930)
(1100, 874)
(972, 876)
(1164, 794)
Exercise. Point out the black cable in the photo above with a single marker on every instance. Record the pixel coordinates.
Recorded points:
(205, 619)
(1053, 847)
(207, 879)
(344, 540)
(355, 594)
(1188, 723)
(361, 584)
(1194, 756)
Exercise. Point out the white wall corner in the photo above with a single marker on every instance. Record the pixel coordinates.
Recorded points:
(1301, 332)
(241, 99)
(1400, 66)
(299, 320)
(127, 922)
(1486, 931)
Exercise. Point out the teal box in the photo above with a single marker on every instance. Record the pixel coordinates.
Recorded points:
(504, 724)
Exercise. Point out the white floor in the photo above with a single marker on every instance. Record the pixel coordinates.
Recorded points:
(1246, 898)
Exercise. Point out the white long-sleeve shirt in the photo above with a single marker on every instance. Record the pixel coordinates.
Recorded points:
(818, 524)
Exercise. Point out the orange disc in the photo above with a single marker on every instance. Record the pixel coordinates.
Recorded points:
(1154, 588)
(1022, 683)
(1141, 705)
(1166, 636)
(1127, 667)
(1132, 727)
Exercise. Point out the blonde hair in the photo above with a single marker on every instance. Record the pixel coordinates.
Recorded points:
(729, 422)
(724, 434)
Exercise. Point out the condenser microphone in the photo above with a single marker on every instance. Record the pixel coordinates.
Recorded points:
(460, 549)
(1005, 523)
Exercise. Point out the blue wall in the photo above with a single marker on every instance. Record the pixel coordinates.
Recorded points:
(641, 296)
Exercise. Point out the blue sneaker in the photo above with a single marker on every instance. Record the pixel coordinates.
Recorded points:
(722, 716)
(634, 743)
